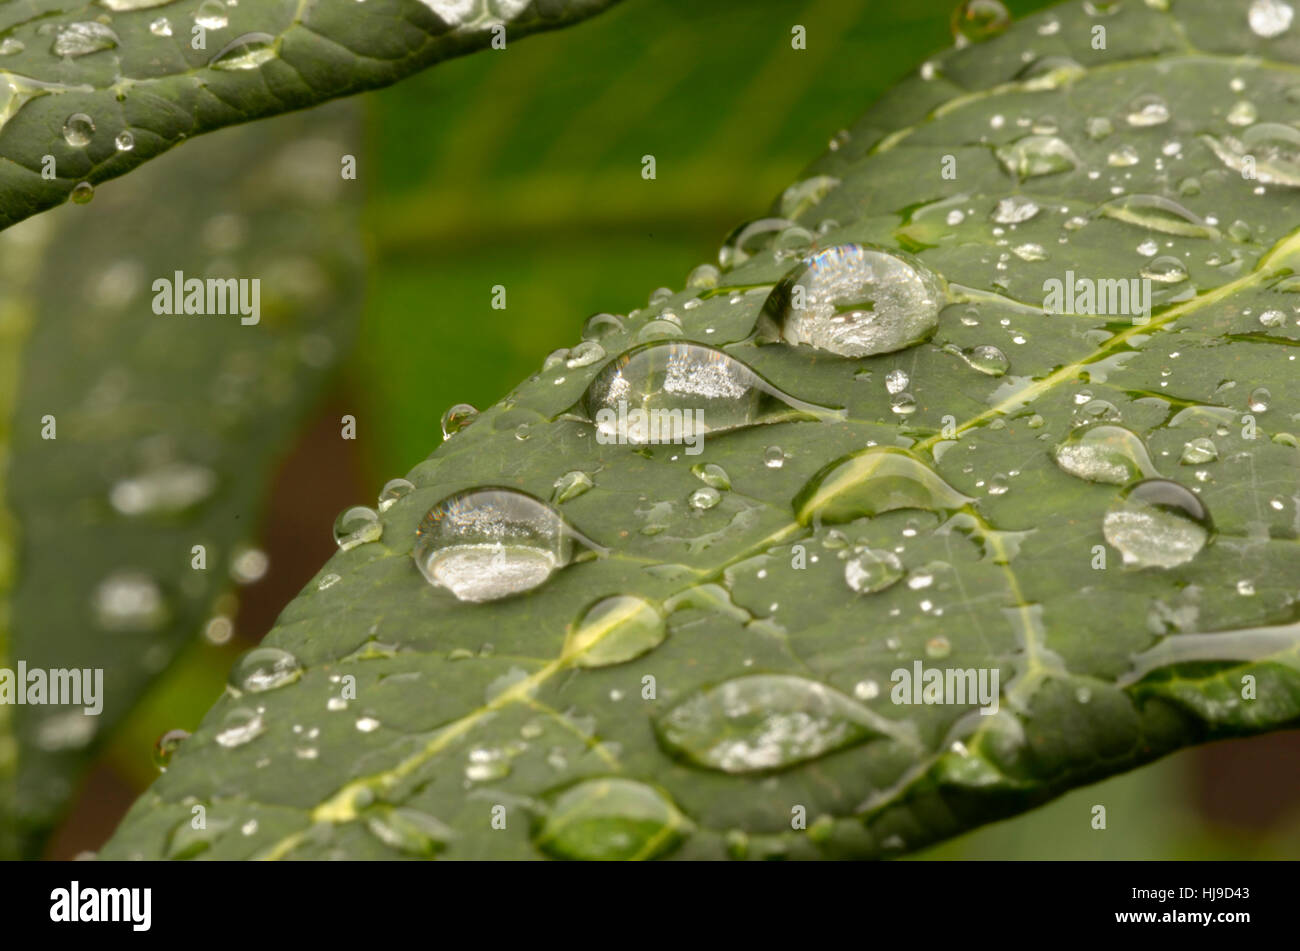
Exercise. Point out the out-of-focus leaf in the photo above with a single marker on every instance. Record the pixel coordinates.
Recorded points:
(737, 697)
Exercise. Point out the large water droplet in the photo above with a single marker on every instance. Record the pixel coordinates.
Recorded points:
(489, 543)
(854, 301)
(1271, 147)
(872, 570)
(80, 39)
(872, 481)
(610, 819)
(1035, 155)
(248, 51)
(765, 722)
(676, 392)
(614, 630)
(264, 668)
(1157, 213)
(1105, 454)
(355, 526)
(1157, 523)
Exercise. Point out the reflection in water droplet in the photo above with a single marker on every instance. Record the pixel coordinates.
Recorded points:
(766, 722)
(264, 668)
(166, 747)
(457, 418)
(240, 726)
(854, 301)
(674, 393)
(705, 498)
(78, 130)
(614, 630)
(248, 51)
(872, 481)
(82, 193)
(81, 39)
(166, 490)
(872, 570)
(610, 819)
(489, 543)
(355, 526)
(1157, 523)
(1105, 454)
(1199, 451)
(978, 20)
(1259, 400)
(1036, 155)
(571, 485)
(393, 490)
(712, 475)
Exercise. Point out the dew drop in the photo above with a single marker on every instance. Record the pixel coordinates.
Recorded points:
(1015, 210)
(1148, 110)
(1199, 451)
(712, 475)
(978, 20)
(161, 27)
(409, 831)
(81, 39)
(774, 457)
(750, 239)
(872, 481)
(872, 570)
(1157, 523)
(393, 490)
(1037, 155)
(166, 746)
(355, 526)
(1272, 148)
(599, 326)
(1270, 18)
(248, 51)
(614, 630)
(211, 15)
(585, 354)
(571, 485)
(1165, 269)
(1259, 399)
(610, 819)
(240, 726)
(987, 359)
(457, 418)
(78, 130)
(1157, 213)
(124, 141)
(264, 668)
(705, 498)
(1105, 454)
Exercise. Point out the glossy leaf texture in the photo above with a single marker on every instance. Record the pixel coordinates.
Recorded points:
(139, 444)
(88, 94)
(913, 459)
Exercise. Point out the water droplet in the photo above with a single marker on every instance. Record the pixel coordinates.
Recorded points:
(393, 490)
(125, 6)
(1157, 213)
(1148, 110)
(585, 354)
(1015, 210)
(124, 141)
(81, 39)
(1049, 72)
(1259, 399)
(355, 526)
(896, 381)
(712, 475)
(409, 831)
(872, 481)
(749, 239)
(367, 724)
(1270, 18)
(675, 392)
(1272, 318)
(872, 570)
(705, 498)
(248, 51)
(854, 301)
(166, 746)
(264, 668)
(1165, 269)
(904, 404)
(571, 485)
(938, 647)
(161, 27)
(1105, 454)
(1036, 155)
(774, 457)
(978, 20)
(610, 819)
(328, 581)
(703, 277)
(1157, 523)
(1098, 127)
(211, 15)
(129, 601)
(1148, 247)
(599, 326)
(1245, 588)
(82, 193)
(11, 46)
(765, 722)
(1242, 113)
(801, 196)
(987, 359)
(1273, 148)
(1199, 451)
(489, 543)
(78, 130)
(1123, 157)
(457, 418)
(240, 726)
(866, 690)
(614, 630)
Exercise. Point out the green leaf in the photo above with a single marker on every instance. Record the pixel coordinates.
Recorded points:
(165, 428)
(87, 95)
(957, 515)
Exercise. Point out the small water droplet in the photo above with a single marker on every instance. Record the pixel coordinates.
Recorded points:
(83, 38)
(705, 498)
(610, 819)
(457, 418)
(1270, 18)
(166, 746)
(774, 457)
(161, 27)
(211, 15)
(1199, 451)
(1165, 269)
(393, 490)
(264, 668)
(248, 51)
(82, 192)
(124, 141)
(1105, 454)
(1259, 399)
(239, 727)
(1157, 523)
(712, 475)
(1036, 155)
(78, 130)
(614, 630)
(355, 526)
(872, 570)
(1148, 110)
(585, 354)
(750, 239)
(599, 326)
(409, 831)
(978, 20)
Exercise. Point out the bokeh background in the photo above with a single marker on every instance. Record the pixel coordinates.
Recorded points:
(522, 168)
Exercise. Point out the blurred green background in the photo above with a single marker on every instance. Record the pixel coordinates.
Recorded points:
(523, 168)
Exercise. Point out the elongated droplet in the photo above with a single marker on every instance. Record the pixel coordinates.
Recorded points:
(1105, 454)
(166, 746)
(750, 239)
(81, 39)
(393, 490)
(872, 481)
(490, 543)
(1270, 150)
(1157, 213)
(712, 475)
(264, 668)
(1157, 523)
(571, 485)
(601, 325)
(610, 819)
(409, 831)
(1036, 155)
(676, 392)
(457, 418)
(355, 526)
(248, 51)
(614, 630)
(873, 570)
(987, 359)
(765, 722)
(854, 301)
